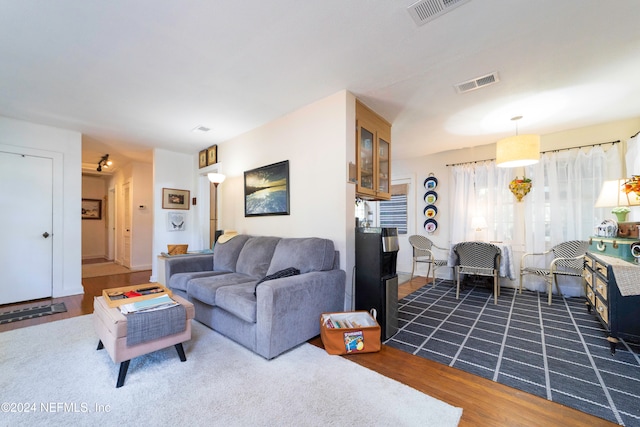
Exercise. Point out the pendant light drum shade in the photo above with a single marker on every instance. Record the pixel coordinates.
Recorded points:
(518, 150)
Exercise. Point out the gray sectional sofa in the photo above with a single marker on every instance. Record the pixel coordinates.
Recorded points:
(270, 317)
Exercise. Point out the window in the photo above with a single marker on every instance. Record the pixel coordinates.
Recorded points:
(393, 213)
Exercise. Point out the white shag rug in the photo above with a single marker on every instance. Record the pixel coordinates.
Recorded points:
(52, 374)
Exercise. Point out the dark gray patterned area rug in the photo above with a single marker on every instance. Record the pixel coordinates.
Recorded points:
(558, 352)
(31, 312)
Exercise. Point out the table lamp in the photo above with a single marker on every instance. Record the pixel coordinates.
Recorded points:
(612, 195)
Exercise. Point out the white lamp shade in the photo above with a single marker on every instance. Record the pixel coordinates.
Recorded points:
(612, 195)
(216, 178)
(518, 150)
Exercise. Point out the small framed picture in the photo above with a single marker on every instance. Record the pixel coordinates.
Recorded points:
(175, 221)
(202, 159)
(175, 199)
(212, 155)
(91, 209)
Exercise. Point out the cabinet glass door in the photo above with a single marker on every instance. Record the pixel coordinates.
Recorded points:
(366, 150)
(383, 166)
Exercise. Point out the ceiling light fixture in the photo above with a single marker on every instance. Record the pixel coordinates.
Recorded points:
(518, 150)
(104, 163)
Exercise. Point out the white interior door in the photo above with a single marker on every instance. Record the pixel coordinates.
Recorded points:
(26, 212)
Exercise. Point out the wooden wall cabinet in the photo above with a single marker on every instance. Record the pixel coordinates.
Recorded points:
(373, 155)
(620, 315)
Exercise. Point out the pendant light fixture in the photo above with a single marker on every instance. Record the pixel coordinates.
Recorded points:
(518, 150)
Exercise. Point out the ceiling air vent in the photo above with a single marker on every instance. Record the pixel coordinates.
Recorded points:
(477, 83)
(200, 129)
(427, 10)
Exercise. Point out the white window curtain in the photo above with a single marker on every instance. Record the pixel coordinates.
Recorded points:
(560, 206)
(566, 184)
(482, 207)
(632, 159)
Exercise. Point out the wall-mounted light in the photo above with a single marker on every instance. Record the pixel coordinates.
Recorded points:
(518, 150)
(104, 163)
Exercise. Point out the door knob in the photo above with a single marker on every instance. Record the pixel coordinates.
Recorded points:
(45, 234)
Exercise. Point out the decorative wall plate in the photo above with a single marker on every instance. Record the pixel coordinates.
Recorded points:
(430, 211)
(431, 183)
(430, 197)
(430, 225)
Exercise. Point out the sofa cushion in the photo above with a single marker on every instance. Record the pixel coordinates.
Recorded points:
(225, 255)
(204, 288)
(306, 254)
(255, 256)
(277, 275)
(238, 300)
(180, 280)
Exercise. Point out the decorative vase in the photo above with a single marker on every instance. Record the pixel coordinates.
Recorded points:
(520, 187)
(622, 216)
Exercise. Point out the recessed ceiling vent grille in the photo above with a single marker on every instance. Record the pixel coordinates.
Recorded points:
(427, 10)
(200, 129)
(477, 83)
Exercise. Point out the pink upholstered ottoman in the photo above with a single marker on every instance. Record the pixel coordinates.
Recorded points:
(111, 327)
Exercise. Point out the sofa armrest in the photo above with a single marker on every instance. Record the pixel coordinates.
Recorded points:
(288, 309)
(188, 263)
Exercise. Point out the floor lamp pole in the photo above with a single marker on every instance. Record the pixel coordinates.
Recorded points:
(213, 213)
(215, 179)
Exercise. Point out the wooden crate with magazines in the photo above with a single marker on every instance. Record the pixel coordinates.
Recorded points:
(349, 332)
(116, 297)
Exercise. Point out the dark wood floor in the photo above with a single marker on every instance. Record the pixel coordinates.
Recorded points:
(485, 402)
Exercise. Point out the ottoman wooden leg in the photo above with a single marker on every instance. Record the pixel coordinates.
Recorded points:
(180, 351)
(100, 345)
(124, 366)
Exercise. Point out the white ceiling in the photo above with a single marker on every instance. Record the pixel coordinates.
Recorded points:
(136, 74)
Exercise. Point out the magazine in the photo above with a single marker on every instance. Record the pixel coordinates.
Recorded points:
(157, 303)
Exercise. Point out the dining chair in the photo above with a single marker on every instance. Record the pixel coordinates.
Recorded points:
(568, 260)
(423, 253)
(478, 259)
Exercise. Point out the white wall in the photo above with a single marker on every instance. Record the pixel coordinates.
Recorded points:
(172, 170)
(142, 218)
(419, 169)
(65, 148)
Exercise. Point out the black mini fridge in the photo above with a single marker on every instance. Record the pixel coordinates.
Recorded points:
(376, 279)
